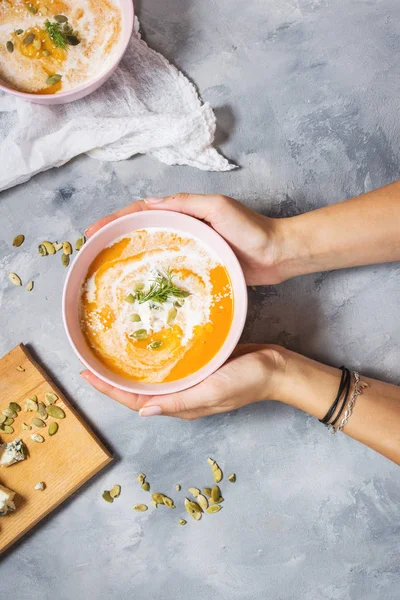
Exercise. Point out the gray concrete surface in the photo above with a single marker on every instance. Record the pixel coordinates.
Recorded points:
(306, 93)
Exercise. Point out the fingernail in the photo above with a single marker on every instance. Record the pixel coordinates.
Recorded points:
(153, 200)
(150, 411)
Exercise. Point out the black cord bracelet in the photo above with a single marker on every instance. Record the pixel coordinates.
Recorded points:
(345, 397)
(342, 386)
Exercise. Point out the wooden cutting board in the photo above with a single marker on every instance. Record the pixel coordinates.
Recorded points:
(63, 462)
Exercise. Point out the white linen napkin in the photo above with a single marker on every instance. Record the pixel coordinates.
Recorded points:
(146, 107)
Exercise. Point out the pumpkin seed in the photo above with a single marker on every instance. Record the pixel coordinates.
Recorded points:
(21, 369)
(65, 260)
(178, 487)
(154, 504)
(171, 315)
(19, 239)
(196, 516)
(168, 502)
(7, 429)
(50, 398)
(55, 411)
(182, 522)
(9, 412)
(194, 491)
(138, 287)
(42, 250)
(3, 419)
(67, 248)
(154, 345)
(146, 486)
(37, 44)
(72, 40)
(135, 318)
(53, 428)
(202, 501)
(8, 421)
(177, 304)
(60, 18)
(47, 53)
(37, 438)
(115, 491)
(215, 493)
(29, 286)
(232, 478)
(28, 39)
(27, 427)
(140, 478)
(130, 299)
(49, 247)
(214, 467)
(140, 334)
(31, 404)
(10, 49)
(57, 245)
(218, 475)
(14, 406)
(52, 79)
(38, 423)
(107, 496)
(218, 501)
(213, 509)
(158, 498)
(42, 410)
(192, 506)
(15, 280)
(82, 240)
(211, 461)
(207, 492)
(140, 507)
(19, 31)
(32, 9)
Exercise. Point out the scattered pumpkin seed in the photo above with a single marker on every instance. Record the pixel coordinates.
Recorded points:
(7, 429)
(158, 498)
(42, 410)
(38, 423)
(60, 18)
(67, 248)
(135, 318)
(52, 79)
(49, 247)
(82, 240)
(194, 491)
(14, 406)
(232, 478)
(207, 492)
(171, 315)
(138, 287)
(202, 501)
(50, 398)
(213, 509)
(57, 245)
(72, 40)
(107, 496)
(217, 501)
(53, 428)
(28, 39)
(31, 404)
(19, 239)
(146, 486)
(9, 421)
(192, 506)
(197, 516)
(27, 427)
(218, 475)
(37, 44)
(37, 438)
(214, 467)
(211, 461)
(32, 9)
(178, 487)
(29, 286)
(42, 250)
(168, 502)
(115, 491)
(10, 47)
(55, 411)
(182, 522)
(3, 419)
(215, 493)
(140, 507)
(15, 279)
(65, 260)
(20, 369)
(177, 304)
(9, 412)
(154, 345)
(140, 478)
(130, 299)
(140, 334)
(19, 31)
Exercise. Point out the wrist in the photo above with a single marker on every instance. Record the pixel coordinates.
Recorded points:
(293, 243)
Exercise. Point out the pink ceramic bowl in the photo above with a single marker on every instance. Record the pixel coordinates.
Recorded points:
(123, 226)
(93, 84)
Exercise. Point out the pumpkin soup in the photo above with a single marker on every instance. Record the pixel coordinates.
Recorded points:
(156, 305)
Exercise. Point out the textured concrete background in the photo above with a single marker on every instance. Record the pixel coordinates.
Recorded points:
(306, 93)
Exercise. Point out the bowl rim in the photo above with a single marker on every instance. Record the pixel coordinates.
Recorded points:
(231, 341)
(130, 20)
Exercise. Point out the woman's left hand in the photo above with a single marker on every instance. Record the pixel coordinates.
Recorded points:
(250, 375)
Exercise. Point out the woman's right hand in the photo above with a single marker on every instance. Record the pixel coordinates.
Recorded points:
(255, 239)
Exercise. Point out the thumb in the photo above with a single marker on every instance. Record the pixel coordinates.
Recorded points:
(202, 206)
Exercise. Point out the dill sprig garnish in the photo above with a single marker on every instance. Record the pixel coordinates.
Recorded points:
(161, 289)
(56, 34)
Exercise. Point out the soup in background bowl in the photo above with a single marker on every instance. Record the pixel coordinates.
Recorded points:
(154, 302)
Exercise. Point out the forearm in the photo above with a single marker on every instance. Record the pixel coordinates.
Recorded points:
(312, 387)
(360, 231)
